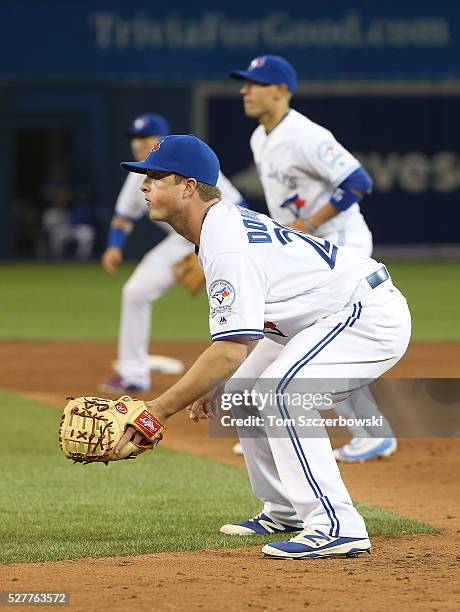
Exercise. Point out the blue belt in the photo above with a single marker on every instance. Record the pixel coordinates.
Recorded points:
(378, 277)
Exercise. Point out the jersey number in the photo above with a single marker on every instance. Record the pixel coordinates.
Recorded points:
(326, 251)
(259, 234)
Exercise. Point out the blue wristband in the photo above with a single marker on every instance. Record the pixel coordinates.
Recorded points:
(359, 180)
(343, 199)
(117, 237)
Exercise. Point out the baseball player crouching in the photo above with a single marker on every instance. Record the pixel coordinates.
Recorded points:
(172, 260)
(311, 182)
(332, 306)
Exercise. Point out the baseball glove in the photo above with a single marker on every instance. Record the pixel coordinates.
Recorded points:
(188, 272)
(91, 427)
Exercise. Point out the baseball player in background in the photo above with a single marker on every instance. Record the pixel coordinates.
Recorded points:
(312, 183)
(159, 269)
(340, 319)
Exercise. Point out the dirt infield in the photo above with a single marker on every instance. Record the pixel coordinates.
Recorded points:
(421, 481)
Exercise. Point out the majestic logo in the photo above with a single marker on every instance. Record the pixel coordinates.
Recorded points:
(156, 146)
(258, 62)
(221, 297)
(121, 408)
(272, 328)
(147, 423)
(222, 321)
(294, 204)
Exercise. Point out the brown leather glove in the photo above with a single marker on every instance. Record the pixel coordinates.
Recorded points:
(91, 427)
(189, 273)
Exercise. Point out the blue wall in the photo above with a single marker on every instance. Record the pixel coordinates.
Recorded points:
(112, 38)
(409, 144)
(90, 67)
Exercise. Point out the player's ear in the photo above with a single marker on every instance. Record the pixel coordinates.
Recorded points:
(282, 91)
(190, 187)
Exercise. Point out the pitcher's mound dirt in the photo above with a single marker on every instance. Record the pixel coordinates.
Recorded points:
(420, 480)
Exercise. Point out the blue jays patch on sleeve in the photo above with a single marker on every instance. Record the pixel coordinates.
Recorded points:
(330, 153)
(221, 297)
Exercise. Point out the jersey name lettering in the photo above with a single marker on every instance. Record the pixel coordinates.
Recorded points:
(251, 221)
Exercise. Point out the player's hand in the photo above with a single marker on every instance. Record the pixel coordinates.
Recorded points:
(300, 225)
(158, 410)
(130, 434)
(111, 259)
(204, 408)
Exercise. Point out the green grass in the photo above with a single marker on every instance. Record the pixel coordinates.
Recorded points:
(45, 301)
(382, 522)
(51, 509)
(71, 300)
(433, 294)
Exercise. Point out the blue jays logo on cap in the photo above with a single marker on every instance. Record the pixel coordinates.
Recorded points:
(257, 62)
(156, 146)
(269, 70)
(186, 155)
(140, 123)
(149, 124)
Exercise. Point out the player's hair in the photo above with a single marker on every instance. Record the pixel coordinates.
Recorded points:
(205, 191)
(208, 192)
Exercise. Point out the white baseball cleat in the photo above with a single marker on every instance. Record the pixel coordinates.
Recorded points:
(362, 449)
(313, 543)
(238, 449)
(259, 525)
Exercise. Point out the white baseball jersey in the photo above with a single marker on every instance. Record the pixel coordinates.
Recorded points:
(265, 278)
(131, 203)
(300, 164)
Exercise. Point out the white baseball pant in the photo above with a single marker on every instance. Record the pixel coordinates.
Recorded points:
(151, 278)
(357, 236)
(293, 474)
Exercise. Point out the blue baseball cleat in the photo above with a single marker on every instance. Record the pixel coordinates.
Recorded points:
(313, 543)
(363, 449)
(259, 525)
(118, 385)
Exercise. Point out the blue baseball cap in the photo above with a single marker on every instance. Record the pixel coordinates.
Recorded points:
(268, 70)
(149, 124)
(185, 155)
